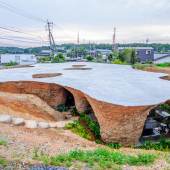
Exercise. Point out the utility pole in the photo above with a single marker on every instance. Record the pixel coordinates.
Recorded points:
(114, 40)
(78, 42)
(51, 38)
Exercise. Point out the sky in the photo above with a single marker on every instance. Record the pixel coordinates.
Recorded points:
(135, 20)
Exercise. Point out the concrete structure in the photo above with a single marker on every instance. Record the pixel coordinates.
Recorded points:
(120, 96)
(161, 58)
(144, 54)
(22, 59)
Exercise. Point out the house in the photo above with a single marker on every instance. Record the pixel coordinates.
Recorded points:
(144, 54)
(21, 59)
(161, 58)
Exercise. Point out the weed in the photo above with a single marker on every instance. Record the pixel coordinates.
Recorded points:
(103, 158)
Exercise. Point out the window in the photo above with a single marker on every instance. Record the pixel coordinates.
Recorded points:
(137, 52)
(148, 52)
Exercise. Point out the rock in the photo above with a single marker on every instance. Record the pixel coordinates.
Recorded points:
(44, 167)
(68, 116)
(18, 121)
(5, 118)
(62, 124)
(53, 125)
(43, 125)
(31, 124)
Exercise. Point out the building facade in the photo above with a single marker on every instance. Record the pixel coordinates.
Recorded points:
(144, 54)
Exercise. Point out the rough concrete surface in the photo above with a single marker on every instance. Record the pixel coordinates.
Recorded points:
(120, 96)
(117, 84)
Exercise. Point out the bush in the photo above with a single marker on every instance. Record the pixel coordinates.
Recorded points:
(89, 58)
(117, 61)
(140, 66)
(103, 158)
(11, 63)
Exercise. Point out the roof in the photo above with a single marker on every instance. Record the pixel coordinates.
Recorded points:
(116, 84)
(136, 48)
(158, 56)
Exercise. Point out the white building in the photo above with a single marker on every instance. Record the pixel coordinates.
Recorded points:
(21, 59)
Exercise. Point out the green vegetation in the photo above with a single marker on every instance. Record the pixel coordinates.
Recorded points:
(103, 158)
(62, 108)
(165, 107)
(114, 145)
(11, 63)
(118, 61)
(85, 127)
(3, 142)
(3, 162)
(77, 128)
(89, 58)
(58, 58)
(163, 65)
(44, 59)
(161, 145)
(91, 124)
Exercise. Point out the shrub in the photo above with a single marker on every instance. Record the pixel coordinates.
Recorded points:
(44, 59)
(117, 61)
(104, 158)
(89, 58)
(165, 107)
(140, 66)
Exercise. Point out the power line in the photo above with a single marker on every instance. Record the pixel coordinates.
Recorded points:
(19, 12)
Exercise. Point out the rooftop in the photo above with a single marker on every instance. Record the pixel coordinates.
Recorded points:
(117, 84)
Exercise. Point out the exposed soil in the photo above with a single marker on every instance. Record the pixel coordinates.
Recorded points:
(78, 68)
(46, 75)
(23, 142)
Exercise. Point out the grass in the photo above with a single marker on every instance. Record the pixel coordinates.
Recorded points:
(3, 142)
(161, 145)
(140, 66)
(103, 158)
(163, 65)
(3, 162)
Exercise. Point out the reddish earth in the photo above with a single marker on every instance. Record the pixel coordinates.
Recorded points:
(159, 70)
(117, 123)
(46, 75)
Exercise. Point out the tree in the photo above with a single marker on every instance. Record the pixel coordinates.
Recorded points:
(133, 57)
(58, 58)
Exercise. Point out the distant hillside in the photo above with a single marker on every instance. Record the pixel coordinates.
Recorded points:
(36, 50)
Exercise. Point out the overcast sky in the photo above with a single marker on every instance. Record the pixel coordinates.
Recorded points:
(135, 20)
